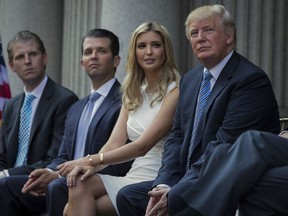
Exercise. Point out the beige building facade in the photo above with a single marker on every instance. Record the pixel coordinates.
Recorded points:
(262, 31)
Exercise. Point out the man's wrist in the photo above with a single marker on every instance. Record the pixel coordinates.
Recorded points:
(59, 176)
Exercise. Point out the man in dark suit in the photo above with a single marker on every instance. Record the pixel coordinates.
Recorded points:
(251, 175)
(234, 105)
(269, 195)
(28, 58)
(100, 58)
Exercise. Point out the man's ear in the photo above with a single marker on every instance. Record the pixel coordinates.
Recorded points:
(11, 65)
(116, 61)
(230, 38)
(45, 59)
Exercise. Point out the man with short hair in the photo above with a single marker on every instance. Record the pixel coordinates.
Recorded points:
(32, 130)
(88, 126)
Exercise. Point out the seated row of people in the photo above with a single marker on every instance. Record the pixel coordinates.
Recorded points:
(155, 146)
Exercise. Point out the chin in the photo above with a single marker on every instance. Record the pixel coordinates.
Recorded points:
(203, 58)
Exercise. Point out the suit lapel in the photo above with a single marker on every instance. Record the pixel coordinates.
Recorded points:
(16, 119)
(108, 102)
(220, 84)
(74, 118)
(43, 105)
(222, 81)
(190, 101)
(18, 105)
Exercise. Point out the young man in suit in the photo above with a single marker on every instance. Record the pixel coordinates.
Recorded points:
(100, 58)
(44, 130)
(219, 100)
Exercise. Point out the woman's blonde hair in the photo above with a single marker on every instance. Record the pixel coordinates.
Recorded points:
(131, 88)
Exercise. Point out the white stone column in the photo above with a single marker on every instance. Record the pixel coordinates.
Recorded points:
(79, 18)
(40, 16)
(123, 17)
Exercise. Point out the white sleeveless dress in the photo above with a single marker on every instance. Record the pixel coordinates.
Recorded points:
(143, 168)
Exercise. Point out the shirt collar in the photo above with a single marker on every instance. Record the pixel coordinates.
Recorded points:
(37, 92)
(105, 88)
(215, 71)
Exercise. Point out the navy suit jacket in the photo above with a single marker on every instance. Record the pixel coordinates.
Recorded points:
(46, 130)
(99, 131)
(241, 99)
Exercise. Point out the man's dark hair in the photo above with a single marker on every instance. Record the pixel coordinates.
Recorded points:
(25, 36)
(103, 33)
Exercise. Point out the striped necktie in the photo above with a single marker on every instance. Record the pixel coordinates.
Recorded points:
(204, 92)
(24, 130)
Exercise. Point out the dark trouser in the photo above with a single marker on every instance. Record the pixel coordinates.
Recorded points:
(240, 175)
(14, 203)
(57, 197)
(133, 199)
(269, 197)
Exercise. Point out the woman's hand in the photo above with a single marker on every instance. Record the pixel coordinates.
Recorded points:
(65, 168)
(87, 171)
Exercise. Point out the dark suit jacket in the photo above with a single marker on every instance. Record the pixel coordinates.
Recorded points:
(241, 99)
(99, 131)
(46, 130)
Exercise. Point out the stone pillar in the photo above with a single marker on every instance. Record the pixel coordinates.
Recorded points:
(121, 17)
(79, 17)
(40, 16)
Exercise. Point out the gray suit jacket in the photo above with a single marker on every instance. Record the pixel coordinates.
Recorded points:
(46, 130)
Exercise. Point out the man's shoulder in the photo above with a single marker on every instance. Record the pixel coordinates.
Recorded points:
(192, 75)
(79, 102)
(242, 62)
(15, 98)
(195, 69)
(58, 90)
(115, 92)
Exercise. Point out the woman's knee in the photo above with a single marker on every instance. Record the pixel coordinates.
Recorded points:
(81, 187)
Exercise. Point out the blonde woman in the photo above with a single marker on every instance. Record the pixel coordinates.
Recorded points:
(150, 95)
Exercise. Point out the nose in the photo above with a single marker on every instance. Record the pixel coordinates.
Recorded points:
(94, 54)
(148, 50)
(200, 35)
(27, 59)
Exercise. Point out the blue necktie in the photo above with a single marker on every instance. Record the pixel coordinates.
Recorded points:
(204, 92)
(83, 125)
(24, 130)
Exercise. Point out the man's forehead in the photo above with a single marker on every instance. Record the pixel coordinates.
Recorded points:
(202, 23)
(96, 43)
(97, 40)
(27, 44)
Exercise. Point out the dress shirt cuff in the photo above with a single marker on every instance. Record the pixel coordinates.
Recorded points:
(59, 176)
(2, 174)
(163, 185)
(6, 172)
